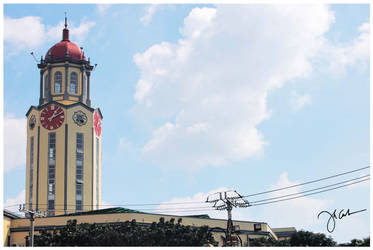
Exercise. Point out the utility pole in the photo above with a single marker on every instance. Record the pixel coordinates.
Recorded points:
(226, 201)
(229, 222)
(31, 214)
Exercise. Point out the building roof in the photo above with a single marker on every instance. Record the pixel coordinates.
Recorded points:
(199, 216)
(117, 210)
(284, 229)
(65, 48)
(11, 214)
(284, 232)
(112, 210)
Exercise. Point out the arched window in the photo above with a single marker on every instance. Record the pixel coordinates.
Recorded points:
(57, 82)
(74, 83)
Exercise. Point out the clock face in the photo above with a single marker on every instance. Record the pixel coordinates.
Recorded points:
(97, 123)
(80, 118)
(32, 122)
(52, 117)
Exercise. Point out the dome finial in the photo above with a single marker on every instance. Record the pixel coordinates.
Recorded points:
(65, 33)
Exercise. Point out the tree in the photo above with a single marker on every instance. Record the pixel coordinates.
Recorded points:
(268, 242)
(163, 233)
(299, 238)
(306, 238)
(357, 243)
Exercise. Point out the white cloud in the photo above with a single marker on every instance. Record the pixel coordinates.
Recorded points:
(282, 214)
(288, 213)
(299, 213)
(198, 22)
(12, 204)
(103, 8)
(24, 33)
(194, 204)
(219, 74)
(150, 10)
(14, 142)
(339, 56)
(79, 33)
(299, 101)
(29, 33)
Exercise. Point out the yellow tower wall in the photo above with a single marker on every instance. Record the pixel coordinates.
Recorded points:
(89, 161)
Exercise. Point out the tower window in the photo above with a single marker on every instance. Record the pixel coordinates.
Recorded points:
(57, 82)
(51, 172)
(31, 185)
(74, 83)
(79, 171)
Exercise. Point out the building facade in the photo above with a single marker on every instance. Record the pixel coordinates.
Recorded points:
(63, 173)
(18, 229)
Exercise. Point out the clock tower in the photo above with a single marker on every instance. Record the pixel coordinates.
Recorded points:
(63, 170)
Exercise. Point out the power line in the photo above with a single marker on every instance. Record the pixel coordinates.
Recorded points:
(305, 183)
(200, 202)
(274, 198)
(307, 191)
(131, 204)
(121, 205)
(15, 205)
(167, 209)
(301, 196)
(195, 209)
(160, 211)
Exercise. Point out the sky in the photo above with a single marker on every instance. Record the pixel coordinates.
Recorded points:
(199, 99)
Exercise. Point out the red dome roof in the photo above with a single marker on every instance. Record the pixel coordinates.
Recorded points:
(65, 48)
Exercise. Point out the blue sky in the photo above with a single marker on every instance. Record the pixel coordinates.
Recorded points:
(201, 98)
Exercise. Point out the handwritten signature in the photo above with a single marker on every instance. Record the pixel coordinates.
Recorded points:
(330, 226)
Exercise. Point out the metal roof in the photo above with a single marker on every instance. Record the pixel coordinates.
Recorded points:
(112, 210)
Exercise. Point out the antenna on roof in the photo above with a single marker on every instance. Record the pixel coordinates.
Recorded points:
(32, 53)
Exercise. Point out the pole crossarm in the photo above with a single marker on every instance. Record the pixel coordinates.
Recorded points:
(226, 201)
(221, 200)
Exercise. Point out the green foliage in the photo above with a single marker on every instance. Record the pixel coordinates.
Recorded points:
(306, 238)
(268, 242)
(299, 238)
(163, 233)
(357, 243)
